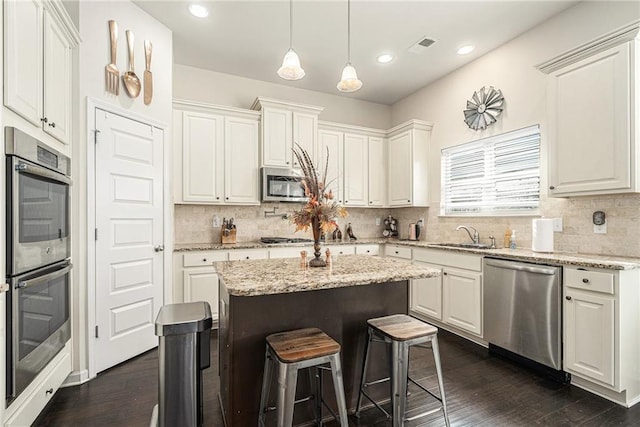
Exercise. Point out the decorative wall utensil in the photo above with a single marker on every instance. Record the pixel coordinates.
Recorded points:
(131, 81)
(483, 108)
(112, 75)
(148, 77)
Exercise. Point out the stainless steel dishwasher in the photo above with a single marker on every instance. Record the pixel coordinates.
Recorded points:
(522, 310)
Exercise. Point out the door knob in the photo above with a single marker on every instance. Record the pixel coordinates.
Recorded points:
(159, 248)
(4, 287)
(568, 298)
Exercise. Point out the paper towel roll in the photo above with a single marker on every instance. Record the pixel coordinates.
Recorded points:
(542, 239)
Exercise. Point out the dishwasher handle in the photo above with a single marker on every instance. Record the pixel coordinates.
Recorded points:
(509, 265)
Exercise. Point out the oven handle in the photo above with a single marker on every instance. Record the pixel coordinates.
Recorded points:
(42, 279)
(22, 166)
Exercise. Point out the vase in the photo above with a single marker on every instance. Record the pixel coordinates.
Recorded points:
(317, 261)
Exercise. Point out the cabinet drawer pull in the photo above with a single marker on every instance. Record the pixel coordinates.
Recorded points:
(552, 187)
(409, 201)
(397, 252)
(568, 298)
(247, 257)
(585, 280)
(50, 391)
(204, 260)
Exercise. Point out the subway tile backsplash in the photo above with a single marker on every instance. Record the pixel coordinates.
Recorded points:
(193, 224)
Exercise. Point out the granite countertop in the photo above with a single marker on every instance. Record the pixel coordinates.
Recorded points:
(277, 276)
(610, 262)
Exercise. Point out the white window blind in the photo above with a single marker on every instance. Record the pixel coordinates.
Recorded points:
(499, 175)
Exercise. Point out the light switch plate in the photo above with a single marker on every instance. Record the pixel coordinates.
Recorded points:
(377, 221)
(216, 221)
(557, 225)
(600, 229)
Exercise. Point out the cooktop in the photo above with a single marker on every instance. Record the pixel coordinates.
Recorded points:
(272, 240)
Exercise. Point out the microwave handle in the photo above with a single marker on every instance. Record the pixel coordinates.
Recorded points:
(41, 279)
(22, 166)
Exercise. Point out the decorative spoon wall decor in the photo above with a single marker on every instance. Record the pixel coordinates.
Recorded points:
(483, 108)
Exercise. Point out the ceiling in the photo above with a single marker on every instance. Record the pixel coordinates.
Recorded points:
(250, 38)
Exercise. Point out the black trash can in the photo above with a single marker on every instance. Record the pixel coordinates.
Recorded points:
(183, 352)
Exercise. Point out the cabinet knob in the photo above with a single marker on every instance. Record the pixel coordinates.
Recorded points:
(552, 187)
(44, 120)
(444, 273)
(50, 391)
(409, 201)
(368, 251)
(52, 124)
(346, 201)
(247, 257)
(204, 260)
(585, 280)
(370, 202)
(396, 252)
(287, 162)
(226, 198)
(568, 298)
(217, 197)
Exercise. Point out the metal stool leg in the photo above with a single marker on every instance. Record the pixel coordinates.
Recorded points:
(267, 377)
(436, 356)
(364, 371)
(318, 386)
(336, 372)
(287, 379)
(399, 372)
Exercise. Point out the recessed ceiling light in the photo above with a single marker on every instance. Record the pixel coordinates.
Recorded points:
(198, 11)
(465, 49)
(385, 58)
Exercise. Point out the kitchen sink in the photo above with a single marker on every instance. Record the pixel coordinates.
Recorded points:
(464, 245)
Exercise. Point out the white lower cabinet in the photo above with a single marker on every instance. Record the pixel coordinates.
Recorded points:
(240, 254)
(462, 299)
(25, 409)
(454, 297)
(367, 249)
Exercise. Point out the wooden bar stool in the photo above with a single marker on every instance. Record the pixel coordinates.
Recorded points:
(294, 350)
(401, 332)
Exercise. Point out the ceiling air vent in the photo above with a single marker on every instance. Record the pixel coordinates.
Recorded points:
(421, 45)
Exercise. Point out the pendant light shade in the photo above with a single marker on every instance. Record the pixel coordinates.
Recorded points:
(291, 68)
(349, 81)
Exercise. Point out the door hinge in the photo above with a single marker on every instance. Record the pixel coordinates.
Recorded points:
(95, 136)
(96, 331)
(96, 234)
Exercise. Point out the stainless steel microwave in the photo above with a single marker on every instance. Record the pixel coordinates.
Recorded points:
(282, 185)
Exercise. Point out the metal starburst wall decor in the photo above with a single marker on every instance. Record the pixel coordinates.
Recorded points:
(483, 108)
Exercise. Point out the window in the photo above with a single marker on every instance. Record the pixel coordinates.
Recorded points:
(499, 175)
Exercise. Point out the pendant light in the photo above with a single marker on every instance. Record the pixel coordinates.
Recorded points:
(349, 81)
(291, 69)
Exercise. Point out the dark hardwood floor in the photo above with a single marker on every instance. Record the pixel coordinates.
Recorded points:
(481, 390)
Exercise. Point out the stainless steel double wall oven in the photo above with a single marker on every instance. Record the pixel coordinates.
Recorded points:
(38, 256)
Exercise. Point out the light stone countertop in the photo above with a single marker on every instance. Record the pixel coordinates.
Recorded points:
(277, 276)
(610, 262)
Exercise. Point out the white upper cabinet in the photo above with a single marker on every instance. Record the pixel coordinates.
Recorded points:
(356, 170)
(377, 172)
(38, 73)
(331, 144)
(283, 125)
(594, 149)
(408, 157)
(215, 154)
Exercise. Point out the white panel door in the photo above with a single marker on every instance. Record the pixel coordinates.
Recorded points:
(57, 81)
(129, 219)
(400, 164)
(202, 157)
(242, 182)
(23, 45)
(305, 134)
(201, 284)
(426, 294)
(356, 170)
(330, 144)
(589, 335)
(462, 299)
(277, 137)
(377, 171)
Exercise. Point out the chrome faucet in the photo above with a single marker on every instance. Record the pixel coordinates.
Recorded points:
(475, 238)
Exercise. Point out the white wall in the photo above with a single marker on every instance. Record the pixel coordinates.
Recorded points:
(93, 56)
(197, 84)
(511, 68)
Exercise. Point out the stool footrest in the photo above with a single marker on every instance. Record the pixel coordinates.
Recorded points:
(424, 414)
(380, 381)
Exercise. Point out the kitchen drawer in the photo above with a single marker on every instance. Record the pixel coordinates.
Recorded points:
(339, 250)
(240, 254)
(367, 249)
(398, 251)
(201, 259)
(595, 281)
(36, 396)
(289, 252)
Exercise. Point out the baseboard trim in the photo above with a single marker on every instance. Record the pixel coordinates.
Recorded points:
(76, 378)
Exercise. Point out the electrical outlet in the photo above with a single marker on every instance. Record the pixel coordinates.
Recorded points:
(216, 221)
(378, 221)
(557, 225)
(600, 229)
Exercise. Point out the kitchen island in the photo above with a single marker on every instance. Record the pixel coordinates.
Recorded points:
(261, 297)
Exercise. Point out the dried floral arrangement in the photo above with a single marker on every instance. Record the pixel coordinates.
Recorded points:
(321, 208)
